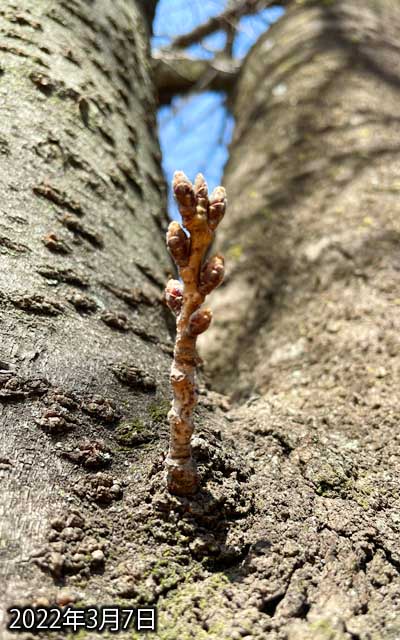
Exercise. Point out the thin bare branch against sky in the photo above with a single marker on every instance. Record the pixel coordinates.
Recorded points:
(195, 130)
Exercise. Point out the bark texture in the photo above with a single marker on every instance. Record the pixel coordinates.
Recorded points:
(84, 346)
(306, 331)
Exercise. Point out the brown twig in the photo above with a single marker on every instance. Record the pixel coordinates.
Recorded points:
(227, 17)
(200, 217)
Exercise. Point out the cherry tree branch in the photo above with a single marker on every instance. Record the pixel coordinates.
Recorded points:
(228, 17)
(201, 215)
(176, 73)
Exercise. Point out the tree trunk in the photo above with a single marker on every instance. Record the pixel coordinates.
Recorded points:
(295, 537)
(84, 343)
(308, 328)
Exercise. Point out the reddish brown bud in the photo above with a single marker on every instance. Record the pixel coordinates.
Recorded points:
(174, 295)
(185, 197)
(199, 321)
(212, 274)
(178, 244)
(183, 189)
(217, 207)
(201, 190)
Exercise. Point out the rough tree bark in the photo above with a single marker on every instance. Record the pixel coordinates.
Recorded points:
(84, 343)
(295, 533)
(308, 328)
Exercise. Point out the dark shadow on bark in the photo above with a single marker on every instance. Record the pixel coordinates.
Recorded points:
(149, 10)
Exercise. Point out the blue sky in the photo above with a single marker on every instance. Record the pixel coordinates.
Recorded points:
(195, 131)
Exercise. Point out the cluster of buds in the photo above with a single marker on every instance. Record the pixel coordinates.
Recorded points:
(201, 215)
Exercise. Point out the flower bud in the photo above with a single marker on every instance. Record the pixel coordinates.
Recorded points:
(201, 189)
(184, 195)
(212, 274)
(199, 321)
(174, 295)
(217, 207)
(178, 244)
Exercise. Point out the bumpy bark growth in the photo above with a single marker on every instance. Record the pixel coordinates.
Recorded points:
(200, 216)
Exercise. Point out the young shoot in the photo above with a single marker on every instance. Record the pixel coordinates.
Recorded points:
(201, 215)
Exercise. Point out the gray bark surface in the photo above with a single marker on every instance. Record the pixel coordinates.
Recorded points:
(84, 344)
(306, 331)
